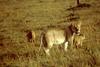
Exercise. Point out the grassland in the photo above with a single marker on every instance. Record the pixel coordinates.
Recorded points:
(17, 16)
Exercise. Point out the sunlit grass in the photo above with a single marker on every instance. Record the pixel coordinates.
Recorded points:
(17, 16)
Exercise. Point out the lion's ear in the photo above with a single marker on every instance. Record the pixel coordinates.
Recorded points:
(71, 25)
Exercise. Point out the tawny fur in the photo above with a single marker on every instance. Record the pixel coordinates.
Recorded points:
(58, 36)
(78, 40)
(31, 36)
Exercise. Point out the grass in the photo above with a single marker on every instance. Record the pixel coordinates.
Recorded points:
(17, 16)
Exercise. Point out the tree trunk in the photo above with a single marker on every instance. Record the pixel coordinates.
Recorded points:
(78, 2)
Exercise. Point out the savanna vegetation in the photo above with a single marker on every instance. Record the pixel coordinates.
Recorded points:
(18, 16)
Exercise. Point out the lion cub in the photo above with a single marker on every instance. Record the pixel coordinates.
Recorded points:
(78, 40)
(31, 35)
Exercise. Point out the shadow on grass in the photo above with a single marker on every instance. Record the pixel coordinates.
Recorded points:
(82, 5)
(73, 17)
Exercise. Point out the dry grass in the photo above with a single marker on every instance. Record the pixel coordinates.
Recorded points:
(17, 16)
